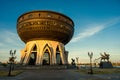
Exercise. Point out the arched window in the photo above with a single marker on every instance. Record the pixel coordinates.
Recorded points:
(39, 14)
(35, 48)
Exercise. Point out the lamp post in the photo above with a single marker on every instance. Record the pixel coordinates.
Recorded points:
(77, 59)
(11, 61)
(90, 55)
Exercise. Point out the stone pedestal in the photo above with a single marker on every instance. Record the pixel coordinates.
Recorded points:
(105, 65)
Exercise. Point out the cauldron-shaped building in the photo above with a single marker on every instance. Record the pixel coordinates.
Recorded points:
(45, 34)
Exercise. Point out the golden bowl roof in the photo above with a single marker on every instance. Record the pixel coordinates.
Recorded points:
(45, 25)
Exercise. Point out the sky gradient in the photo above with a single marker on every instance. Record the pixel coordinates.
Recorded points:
(97, 26)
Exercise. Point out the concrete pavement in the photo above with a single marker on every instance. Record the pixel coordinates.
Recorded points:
(59, 75)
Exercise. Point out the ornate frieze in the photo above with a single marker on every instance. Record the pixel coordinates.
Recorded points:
(41, 24)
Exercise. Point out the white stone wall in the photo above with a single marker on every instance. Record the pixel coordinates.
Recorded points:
(42, 45)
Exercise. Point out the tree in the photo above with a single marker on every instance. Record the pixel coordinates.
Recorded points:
(11, 61)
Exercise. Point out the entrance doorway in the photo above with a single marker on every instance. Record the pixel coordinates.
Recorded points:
(46, 58)
(32, 59)
(58, 57)
(33, 55)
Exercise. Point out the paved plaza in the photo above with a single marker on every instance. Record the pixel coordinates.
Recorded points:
(60, 75)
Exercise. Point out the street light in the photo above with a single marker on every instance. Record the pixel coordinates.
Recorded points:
(90, 55)
(77, 59)
(11, 61)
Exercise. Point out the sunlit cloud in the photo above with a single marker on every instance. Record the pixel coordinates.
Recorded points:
(92, 30)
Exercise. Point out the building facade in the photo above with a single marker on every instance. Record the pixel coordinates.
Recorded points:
(45, 34)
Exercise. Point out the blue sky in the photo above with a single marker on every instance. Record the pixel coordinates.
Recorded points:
(97, 26)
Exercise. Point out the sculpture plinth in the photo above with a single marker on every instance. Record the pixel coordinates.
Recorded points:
(105, 63)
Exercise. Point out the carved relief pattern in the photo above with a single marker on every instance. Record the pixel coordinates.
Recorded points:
(36, 25)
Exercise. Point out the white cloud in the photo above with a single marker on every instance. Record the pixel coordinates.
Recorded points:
(92, 30)
(9, 40)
